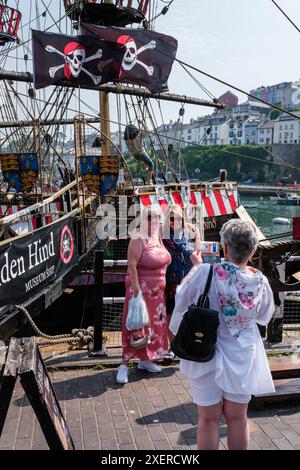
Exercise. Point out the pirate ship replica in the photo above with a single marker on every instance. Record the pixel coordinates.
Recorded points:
(47, 233)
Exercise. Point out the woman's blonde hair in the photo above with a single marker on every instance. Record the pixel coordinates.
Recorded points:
(178, 212)
(148, 211)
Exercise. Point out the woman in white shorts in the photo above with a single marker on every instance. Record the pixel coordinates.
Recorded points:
(239, 368)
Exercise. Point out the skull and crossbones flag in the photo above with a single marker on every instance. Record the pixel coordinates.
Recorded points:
(79, 60)
(148, 56)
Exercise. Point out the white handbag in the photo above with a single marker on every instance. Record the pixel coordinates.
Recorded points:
(137, 316)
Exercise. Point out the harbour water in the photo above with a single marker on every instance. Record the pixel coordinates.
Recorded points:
(266, 211)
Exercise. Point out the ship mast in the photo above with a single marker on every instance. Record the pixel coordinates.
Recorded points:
(121, 90)
(104, 116)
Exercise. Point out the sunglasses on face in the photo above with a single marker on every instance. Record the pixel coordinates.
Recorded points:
(172, 219)
(155, 216)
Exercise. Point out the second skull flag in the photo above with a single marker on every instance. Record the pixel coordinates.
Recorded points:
(80, 60)
(148, 56)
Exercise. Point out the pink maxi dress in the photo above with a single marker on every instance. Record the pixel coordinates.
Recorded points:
(152, 279)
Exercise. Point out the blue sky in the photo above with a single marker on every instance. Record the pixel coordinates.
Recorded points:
(245, 42)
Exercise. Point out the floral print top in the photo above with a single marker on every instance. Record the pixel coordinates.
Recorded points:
(239, 294)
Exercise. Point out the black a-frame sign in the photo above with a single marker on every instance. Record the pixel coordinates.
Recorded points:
(24, 360)
(8, 376)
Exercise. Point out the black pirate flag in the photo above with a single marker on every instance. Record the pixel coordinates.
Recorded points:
(148, 56)
(80, 60)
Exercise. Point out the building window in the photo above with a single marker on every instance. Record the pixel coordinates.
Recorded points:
(240, 133)
(239, 142)
(280, 135)
(292, 126)
(189, 131)
(280, 128)
(268, 131)
(231, 142)
(262, 131)
(189, 137)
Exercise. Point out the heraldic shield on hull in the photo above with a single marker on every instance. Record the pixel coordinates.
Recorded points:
(20, 170)
(99, 174)
(148, 56)
(79, 60)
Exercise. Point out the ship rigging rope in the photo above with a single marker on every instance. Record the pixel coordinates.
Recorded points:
(266, 162)
(286, 15)
(203, 88)
(151, 140)
(161, 142)
(237, 89)
(279, 158)
(165, 9)
(22, 43)
(155, 126)
(149, 132)
(265, 211)
(42, 129)
(83, 336)
(137, 121)
(276, 236)
(182, 141)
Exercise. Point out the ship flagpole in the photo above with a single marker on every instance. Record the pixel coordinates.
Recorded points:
(104, 116)
(98, 259)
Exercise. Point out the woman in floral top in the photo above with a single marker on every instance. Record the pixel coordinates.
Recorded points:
(239, 368)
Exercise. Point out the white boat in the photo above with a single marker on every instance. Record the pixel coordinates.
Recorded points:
(281, 221)
(278, 197)
(290, 199)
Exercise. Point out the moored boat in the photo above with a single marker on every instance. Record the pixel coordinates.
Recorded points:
(282, 221)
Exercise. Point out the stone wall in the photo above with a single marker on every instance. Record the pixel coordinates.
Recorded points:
(288, 154)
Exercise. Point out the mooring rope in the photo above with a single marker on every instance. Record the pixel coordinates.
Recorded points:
(78, 336)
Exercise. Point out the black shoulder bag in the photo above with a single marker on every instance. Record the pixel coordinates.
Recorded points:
(197, 334)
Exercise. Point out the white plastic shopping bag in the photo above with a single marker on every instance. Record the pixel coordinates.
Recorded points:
(137, 316)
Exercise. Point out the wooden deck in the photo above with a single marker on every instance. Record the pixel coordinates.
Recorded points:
(286, 375)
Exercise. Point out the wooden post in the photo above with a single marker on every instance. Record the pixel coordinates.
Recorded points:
(104, 123)
(104, 116)
(98, 304)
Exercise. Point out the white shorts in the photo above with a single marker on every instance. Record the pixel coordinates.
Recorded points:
(206, 392)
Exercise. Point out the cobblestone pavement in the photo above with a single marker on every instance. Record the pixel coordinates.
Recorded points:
(150, 412)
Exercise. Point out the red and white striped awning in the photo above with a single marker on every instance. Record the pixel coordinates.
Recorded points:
(214, 203)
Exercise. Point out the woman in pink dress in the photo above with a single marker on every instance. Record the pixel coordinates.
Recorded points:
(147, 263)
